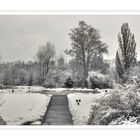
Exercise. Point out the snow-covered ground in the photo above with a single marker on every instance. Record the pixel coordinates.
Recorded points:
(27, 104)
(125, 97)
(80, 113)
(22, 106)
(31, 88)
(69, 89)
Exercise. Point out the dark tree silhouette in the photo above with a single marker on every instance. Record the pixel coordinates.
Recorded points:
(68, 83)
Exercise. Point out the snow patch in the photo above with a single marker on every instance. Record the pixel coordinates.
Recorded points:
(31, 88)
(19, 108)
(69, 89)
(80, 113)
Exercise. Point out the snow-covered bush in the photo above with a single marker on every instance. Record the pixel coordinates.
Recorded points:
(51, 80)
(80, 83)
(117, 104)
(55, 78)
(2, 122)
(2, 86)
(124, 121)
(134, 76)
(49, 84)
(98, 80)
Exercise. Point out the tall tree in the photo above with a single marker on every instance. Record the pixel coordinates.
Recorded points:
(86, 44)
(119, 67)
(61, 62)
(6, 77)
(44, 56)
(126, 54)
(30, 79)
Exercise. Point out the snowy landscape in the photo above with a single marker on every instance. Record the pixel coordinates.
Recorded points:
(80, 75)
(23, 106)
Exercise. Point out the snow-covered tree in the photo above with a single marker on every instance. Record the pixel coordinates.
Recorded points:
(61, 63)
(134, 75)
(119, 68)
(126, 54)
(30, 79)
(86, 44)
(22, 76)
(6, 77)
(44, 56)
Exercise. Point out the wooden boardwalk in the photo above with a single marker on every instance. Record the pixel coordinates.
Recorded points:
(58, 112)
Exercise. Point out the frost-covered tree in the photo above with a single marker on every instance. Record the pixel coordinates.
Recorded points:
(22, 77)
(134, 75)
(30, 79)
(61, 62)
(44, 56)
(119, 67)
(86, 44)
(6, 77)
(126, 54)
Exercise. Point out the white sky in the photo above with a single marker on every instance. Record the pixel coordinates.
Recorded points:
(20, 36)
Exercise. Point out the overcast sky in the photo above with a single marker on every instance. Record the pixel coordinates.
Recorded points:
(20, 36)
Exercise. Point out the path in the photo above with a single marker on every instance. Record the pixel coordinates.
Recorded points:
(58, 112)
